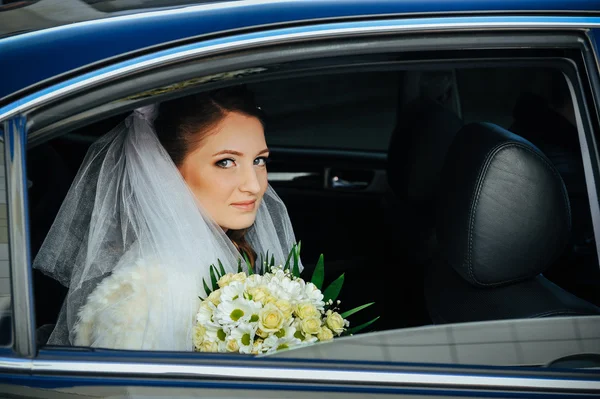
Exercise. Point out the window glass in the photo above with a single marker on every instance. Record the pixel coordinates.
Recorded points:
(374, 218)
(345, 111)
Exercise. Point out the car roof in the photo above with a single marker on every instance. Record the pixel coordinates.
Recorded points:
(36, 55)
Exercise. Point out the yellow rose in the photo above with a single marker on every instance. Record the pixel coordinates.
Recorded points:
(269, 299)
(232, 346)
(225, 280)
(257, 346)
(215, 297)
(199, 332)
(335, 322)
(285, 307)
(241, 277)
(325, 334)
(270, 319)
(306, 310)
(311, 325)
(261, 333)
(209, 346)
(259, 294)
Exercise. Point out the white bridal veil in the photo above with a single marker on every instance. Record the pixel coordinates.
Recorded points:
(129, 204)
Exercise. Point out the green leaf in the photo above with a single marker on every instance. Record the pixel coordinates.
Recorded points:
(361, 327)
(260, 264)
(334, 289)
(272, 261)
(240, 266)
(287, 261)
(206, 289)
(213, 278)
(248, 264)
(296, 269)
(221, 268)
(199, 297)
(265, 265)
(356, 309)
(319, 273)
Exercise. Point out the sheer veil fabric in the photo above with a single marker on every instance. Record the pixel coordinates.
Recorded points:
(129, 214)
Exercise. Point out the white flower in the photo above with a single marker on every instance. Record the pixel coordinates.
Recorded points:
(244, 335)
(254, 281)
(274, 343)
(314, 295)
(236, 312)
(232, 291)
(205, 313)
(257, 347)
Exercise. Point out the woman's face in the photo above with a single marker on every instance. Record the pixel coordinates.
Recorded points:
(227, 172)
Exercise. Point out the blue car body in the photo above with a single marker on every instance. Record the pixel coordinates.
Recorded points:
(37, 66)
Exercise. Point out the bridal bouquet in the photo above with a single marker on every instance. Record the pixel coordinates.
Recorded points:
(270, 308)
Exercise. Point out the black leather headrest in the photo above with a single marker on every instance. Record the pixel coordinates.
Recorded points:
(503, 212)
(418, 147)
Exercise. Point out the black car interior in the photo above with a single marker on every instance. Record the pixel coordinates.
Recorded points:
(503, 217)
(378, 172)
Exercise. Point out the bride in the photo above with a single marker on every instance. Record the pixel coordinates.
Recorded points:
(156, 201)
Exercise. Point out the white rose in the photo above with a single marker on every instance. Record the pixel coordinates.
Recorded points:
(241, 277)
(325, 334)
(311, 325)
(199, 332)
(270, 319)
(259, 294)
(225, 280)
(209, 346)
(335, 322)
(306, 310)
(285, 307)
(232, 346)
(215, 297)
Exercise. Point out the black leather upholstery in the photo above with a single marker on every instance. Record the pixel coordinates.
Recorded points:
(503, 217)
(504, 213)
(451, 299)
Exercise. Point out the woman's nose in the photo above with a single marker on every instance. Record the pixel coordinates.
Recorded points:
(250, 183)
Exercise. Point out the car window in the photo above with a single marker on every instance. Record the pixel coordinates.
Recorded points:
(342, 111)
(413, 117)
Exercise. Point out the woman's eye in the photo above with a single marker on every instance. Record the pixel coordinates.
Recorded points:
(225, 163)
(261, 161)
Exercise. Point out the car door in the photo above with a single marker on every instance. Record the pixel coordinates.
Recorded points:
(333, 186)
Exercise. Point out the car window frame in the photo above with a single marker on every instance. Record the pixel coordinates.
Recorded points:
(18, 140)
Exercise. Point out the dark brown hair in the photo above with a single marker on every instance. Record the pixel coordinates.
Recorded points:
(183, 123)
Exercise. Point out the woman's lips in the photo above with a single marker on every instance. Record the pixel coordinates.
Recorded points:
(245, 205)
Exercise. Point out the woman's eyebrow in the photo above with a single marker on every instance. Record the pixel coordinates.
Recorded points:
(266, 150)
(231, 152)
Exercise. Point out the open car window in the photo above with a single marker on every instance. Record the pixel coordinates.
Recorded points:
(453, 189)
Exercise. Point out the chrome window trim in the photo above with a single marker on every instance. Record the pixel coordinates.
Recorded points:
(300, 375)
(15, 144)
(398, 27)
